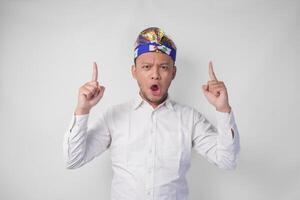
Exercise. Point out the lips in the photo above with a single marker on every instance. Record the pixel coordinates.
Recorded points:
(155, 89)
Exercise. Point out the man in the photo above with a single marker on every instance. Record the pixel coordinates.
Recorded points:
(151, 137)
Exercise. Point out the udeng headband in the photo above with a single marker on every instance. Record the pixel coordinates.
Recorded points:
(154, 47)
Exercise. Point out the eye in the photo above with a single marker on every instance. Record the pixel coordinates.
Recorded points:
(145, 66)
(165, 67)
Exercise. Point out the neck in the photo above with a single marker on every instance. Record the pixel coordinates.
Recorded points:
(154, 104)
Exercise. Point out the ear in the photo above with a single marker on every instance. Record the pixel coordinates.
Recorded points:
(133, 71)
(174, 72)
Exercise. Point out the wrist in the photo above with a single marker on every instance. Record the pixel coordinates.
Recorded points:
(226, 109)
(81, 111)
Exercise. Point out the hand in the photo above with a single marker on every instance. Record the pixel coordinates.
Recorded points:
(89, 94)
(216, 92)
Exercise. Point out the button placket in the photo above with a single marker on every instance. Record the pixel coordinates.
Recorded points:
(151, 157)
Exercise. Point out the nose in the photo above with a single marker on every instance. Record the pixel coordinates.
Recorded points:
(155, 74)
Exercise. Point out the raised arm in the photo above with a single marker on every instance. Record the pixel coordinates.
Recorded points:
(219, 145)
(82, 142)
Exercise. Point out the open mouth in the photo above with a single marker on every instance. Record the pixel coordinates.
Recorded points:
(155, 89)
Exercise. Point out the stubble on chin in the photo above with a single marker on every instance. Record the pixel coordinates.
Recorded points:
(154, 101)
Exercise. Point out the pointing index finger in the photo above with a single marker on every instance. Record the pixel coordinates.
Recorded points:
(211, 72)
(95, 72)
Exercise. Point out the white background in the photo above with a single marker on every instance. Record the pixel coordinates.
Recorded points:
(46, 54)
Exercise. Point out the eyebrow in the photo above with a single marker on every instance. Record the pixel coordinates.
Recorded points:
(145, 63)
(163, 63)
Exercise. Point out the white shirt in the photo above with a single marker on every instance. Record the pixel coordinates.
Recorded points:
(151, 148)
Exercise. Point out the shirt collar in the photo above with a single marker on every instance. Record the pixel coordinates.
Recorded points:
(138, 101)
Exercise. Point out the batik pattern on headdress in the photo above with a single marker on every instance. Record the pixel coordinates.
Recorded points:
(154, 40)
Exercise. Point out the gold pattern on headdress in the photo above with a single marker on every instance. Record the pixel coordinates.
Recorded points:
(154, 34)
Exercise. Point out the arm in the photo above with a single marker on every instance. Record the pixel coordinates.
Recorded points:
(82, 143)
(220, 146)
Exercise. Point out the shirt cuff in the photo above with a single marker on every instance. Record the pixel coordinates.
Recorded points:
(226, 123)
(78, 121)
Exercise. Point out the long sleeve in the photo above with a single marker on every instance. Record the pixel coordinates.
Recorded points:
(221, 145)
(82, 143)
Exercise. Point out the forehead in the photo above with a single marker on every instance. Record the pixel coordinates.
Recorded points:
(154, 57)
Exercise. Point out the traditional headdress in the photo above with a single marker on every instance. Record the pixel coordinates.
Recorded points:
(154, 39)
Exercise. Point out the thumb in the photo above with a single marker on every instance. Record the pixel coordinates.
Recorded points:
(98, 95)
(207, 93)
(101, 91)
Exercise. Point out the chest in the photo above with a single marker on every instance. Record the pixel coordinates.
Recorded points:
(162, 137)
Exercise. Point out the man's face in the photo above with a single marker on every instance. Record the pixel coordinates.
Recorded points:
(154, 73)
